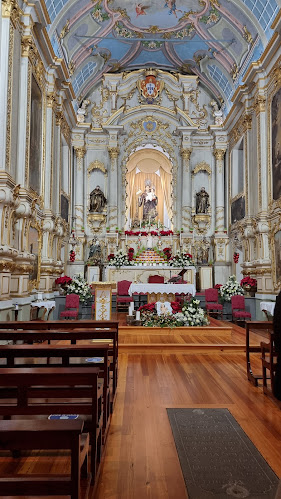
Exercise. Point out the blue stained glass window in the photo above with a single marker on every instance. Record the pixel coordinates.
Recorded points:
(264, 10)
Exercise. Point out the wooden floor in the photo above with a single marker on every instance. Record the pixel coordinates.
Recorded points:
(140, 459)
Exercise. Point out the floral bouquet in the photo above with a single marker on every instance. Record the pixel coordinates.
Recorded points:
(192, 314)
(80, 287)
(63, 281)
(231, 288)
(181, 260)
(120, 259)
(249, 282)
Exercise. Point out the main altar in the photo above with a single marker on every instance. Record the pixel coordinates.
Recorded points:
(141, 273)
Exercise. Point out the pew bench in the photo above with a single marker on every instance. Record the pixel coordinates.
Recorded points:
(75, 330)
(27, 393)
(63, 356)
(258, 327)
(45, 435)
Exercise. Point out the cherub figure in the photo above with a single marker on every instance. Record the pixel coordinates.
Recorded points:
(140, 9)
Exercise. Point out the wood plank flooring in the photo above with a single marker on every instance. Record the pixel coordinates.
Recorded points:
(140, 457)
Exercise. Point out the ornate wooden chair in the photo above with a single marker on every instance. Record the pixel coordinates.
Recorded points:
(122, 297)
(213, 307)
(238, 309)
(71, 307)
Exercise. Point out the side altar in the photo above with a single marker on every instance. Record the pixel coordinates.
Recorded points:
(141, 273)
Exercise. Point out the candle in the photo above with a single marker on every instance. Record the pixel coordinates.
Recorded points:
(135, 277)
(158, 224)
(126, 240)
(117, 239)
(140, 224)
(138, 315)
(131, 308)
(180, 239)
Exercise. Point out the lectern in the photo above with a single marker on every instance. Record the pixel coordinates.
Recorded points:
(103, 295)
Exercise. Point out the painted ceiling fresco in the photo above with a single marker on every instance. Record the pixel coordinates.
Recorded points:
(214, 39)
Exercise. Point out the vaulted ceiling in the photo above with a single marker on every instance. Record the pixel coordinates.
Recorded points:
(214, 39)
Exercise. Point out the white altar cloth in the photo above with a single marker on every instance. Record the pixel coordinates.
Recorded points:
(144, 287)
(269, 306)
(46, 304)
(141, 273)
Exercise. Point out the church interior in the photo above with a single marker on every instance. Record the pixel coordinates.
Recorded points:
(140, 208)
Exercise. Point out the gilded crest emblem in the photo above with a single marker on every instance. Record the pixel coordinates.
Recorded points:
(150, 88)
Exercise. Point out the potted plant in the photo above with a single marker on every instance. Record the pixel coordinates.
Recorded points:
(107, 229)
(249, 284)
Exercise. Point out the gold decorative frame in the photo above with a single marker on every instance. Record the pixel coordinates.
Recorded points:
(276, 278)
(35, 283)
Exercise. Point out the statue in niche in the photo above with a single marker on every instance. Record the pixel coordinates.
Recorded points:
(97, 200)
(82, 111)
(217, 113)
(148, 200)
(202, 201)
(95, 252)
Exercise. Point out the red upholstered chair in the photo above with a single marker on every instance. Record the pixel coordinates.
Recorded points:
(238, 309)
(71, 307)
(122, 297)
(156, 279)
(212, 305)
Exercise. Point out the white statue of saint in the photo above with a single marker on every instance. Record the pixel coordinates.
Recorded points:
(217, 113)
(82, 111)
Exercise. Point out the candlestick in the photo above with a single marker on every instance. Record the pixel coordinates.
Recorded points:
(180, 239)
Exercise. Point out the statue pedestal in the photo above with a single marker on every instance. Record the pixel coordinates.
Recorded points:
(103, 295)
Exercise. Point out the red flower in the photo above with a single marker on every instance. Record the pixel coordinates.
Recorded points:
(131, 250)
(144, 233)
(218, 286)
(148, 306)
(176, 306)
(236, 257)
(153, 233)
(249, 281)
(110, 256)
(63, 280)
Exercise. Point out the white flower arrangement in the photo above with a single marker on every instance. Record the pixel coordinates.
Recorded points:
(181, 260)
(192, 314)
(80, 287)
(231, 288)
(120, 258)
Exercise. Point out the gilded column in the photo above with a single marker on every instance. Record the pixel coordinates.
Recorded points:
(186, 189)
(112, 221)
(24, 111)
(260, 108)
(49, 150)
(220, 216)
(6, 58)
(57, 167)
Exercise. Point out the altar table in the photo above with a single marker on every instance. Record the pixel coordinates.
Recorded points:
(160, 292)
(46, 305)
(141, 273)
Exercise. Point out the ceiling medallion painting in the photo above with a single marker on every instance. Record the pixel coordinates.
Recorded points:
(164, 14)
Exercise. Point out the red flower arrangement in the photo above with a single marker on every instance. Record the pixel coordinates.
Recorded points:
(154, 233)
(166, 232)
(218, 286)
(168, 253)
(110, 256)
(176, 306)
(72, 256)
(149, 307)
(144, 233)
(236, 257)
(249, 281)
(63, 280)
(131, 254)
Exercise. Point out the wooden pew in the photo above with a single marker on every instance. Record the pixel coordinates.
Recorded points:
(255, 327)
(30, 392)
(100, 329)
(73, 336)
(64, 355)
(40, 434)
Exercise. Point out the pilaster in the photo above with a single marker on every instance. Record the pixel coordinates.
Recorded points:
(112, 221)
(186, 189)
(220, 215)
(6, 48)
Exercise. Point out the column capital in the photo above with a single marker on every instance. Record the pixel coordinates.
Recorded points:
(80, 152)
(260, 104)
(186, 153)
(27, 44)
(51, 99)
(113, 152)
(219, 154)
(11, 9)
